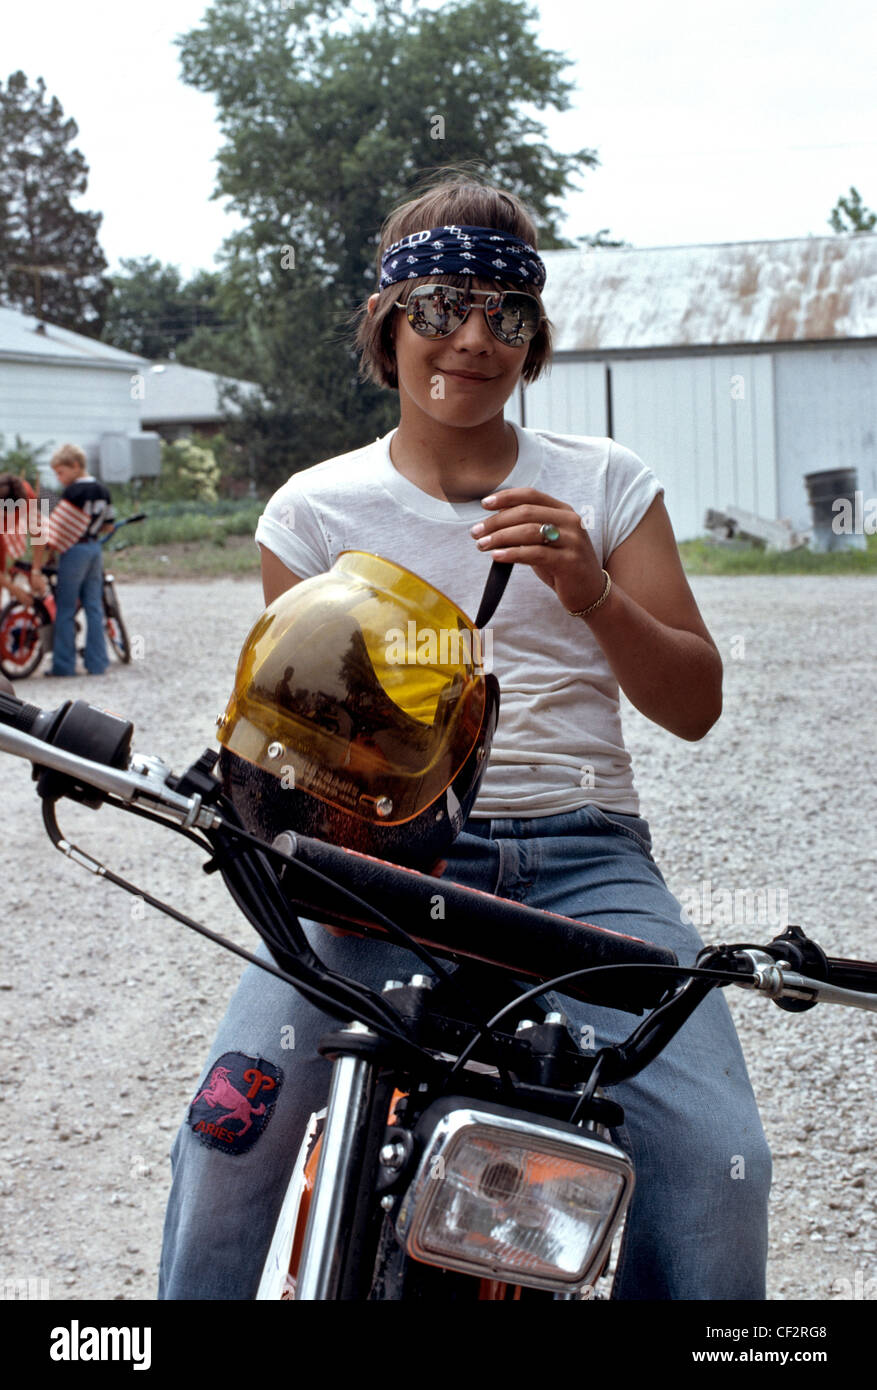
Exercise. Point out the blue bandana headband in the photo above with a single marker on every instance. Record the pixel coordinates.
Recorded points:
(477, 251)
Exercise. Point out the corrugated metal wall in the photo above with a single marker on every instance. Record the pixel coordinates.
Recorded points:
(826, 409)
(570, 399)
(704, 424)
(58, 405)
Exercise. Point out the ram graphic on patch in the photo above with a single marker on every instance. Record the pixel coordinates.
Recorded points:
(235, 1105)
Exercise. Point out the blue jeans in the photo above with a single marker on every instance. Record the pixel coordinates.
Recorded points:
(697, 1226)
(80, 576)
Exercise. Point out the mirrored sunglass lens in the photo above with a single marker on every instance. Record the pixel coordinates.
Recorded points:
(514, 318)
(436, 309)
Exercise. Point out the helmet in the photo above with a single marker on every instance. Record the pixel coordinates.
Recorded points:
(361, 714)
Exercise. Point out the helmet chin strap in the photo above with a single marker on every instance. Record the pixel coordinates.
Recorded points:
(497, 578)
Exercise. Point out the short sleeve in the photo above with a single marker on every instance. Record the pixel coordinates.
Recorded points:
(631, 488)
(289, 528)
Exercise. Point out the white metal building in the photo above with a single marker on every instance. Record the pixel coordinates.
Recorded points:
(59, 387)
(732, 369)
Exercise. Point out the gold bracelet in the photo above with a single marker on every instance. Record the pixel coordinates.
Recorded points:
(583, 612)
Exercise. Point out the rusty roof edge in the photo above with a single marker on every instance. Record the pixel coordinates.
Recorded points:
(770, 292)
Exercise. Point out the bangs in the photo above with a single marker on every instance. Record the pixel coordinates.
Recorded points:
(461, 200)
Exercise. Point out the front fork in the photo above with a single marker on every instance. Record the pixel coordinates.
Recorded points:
(338, 1254)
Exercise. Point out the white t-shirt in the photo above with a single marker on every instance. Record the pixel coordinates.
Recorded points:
(558, 745)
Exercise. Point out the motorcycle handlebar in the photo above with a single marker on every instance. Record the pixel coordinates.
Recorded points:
(103, 740)
(859, 975)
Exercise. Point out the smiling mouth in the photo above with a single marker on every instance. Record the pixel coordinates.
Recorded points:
(469, 376)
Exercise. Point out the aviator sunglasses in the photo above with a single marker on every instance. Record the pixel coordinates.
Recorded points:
(435, 311)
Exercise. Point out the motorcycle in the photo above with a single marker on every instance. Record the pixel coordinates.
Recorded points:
(465, 1149)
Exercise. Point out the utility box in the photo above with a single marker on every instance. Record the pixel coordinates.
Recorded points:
(123, 457)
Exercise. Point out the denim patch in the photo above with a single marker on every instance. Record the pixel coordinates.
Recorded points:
(236, 1104)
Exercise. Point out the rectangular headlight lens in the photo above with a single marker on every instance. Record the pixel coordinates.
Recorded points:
(507, 1198)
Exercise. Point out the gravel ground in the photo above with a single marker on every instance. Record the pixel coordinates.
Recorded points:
(109, 1013)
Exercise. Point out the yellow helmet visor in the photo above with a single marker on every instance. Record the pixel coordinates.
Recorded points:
(363, 687)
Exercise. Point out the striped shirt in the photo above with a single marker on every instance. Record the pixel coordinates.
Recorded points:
(16, 513)
(83, 511)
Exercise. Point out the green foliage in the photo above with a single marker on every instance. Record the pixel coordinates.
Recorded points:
(184, 539)
(601, 238)
(51, 264)
(858, 217)
(189, 471)
(22, 459)
(169, 523)
(331, 116)
(702, 557)
(152, 310)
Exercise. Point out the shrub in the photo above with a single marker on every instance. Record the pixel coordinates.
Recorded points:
(189, 472)
(22, 459)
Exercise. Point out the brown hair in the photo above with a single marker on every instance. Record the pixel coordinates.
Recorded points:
(70, 454)
(12, 487)
(458, 198)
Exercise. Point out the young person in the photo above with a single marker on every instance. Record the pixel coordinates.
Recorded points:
(17, 503)
(597, 599)
(83, 514)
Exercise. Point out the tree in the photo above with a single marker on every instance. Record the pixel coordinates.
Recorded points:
(326, 128)
(51, 263)
(600, 239)
(152, 311)
(858, 217)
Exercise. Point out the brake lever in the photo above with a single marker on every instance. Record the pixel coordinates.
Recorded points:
(780, 982)
(147, 781)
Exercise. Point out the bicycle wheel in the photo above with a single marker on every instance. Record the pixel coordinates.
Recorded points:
(117, 633)
(21, 640)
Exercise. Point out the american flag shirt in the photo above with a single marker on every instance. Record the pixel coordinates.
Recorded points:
(14, 526)
(83, 511)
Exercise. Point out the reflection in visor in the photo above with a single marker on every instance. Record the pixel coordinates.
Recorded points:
(330, 676)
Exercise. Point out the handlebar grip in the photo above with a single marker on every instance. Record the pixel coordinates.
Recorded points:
(853, 974)
(18, 714)
(75, 726)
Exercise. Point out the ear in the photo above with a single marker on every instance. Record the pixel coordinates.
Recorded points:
(372, 304)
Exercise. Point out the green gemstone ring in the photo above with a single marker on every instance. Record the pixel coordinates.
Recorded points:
(549, 533)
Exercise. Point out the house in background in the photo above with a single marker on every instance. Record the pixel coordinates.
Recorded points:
(179, 401)
(732, 369)
(59, 387)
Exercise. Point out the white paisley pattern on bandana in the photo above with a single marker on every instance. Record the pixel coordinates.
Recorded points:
(452, 250)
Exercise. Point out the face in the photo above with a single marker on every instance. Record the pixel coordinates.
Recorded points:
(462, 380)
(66, 472)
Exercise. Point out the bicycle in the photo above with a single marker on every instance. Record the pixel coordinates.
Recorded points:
(27, 629)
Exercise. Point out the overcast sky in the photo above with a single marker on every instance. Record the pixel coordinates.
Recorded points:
(713, 122)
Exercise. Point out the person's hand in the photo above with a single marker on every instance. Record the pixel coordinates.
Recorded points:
(38, 583)
(511, 532)
(20, 592)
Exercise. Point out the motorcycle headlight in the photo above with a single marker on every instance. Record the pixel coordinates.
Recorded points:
(505, 1197)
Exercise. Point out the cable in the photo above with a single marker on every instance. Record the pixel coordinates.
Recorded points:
(359, 1001)
(726, 976)
(398, 933)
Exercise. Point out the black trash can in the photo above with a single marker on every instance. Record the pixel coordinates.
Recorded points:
(834, 526)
